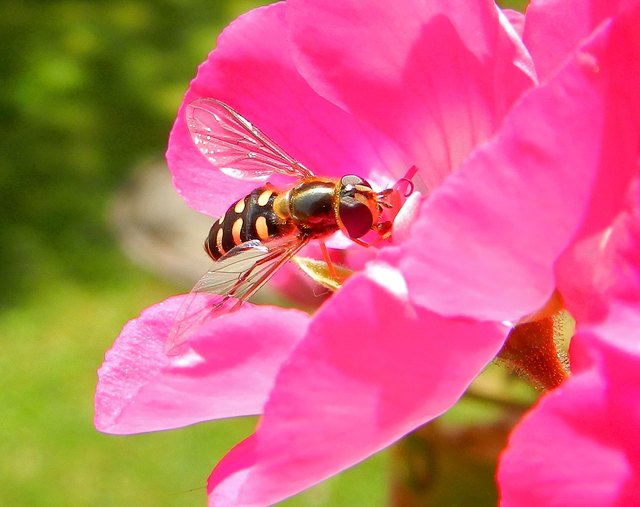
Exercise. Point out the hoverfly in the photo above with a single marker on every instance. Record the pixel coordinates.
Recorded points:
(262, 231)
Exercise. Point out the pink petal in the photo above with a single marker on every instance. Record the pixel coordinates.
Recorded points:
(596, 266)
(487, 239)
(599, 277)
(563, 452)
(228, 370)
(617, 340)
(253, 71)
(579, 446)
(604, 265)
(554, 28)
(437, 76)
(516, 18)
(370, 369)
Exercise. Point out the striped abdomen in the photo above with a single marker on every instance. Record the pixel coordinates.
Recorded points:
(250, 218)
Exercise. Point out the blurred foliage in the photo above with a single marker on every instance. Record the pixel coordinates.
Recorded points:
(89, 91)
(518, 5)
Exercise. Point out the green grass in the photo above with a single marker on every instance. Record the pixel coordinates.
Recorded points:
(89, 91)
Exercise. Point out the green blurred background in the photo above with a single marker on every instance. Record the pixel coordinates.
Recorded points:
(88, 93)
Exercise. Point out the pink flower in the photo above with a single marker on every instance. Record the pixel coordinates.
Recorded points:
(518, 174)
(579, 446)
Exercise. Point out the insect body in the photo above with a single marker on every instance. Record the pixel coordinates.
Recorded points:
(312, 209)
(262, 231)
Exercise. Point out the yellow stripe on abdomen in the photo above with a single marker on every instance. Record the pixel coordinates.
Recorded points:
(235, 231)
(262, 228)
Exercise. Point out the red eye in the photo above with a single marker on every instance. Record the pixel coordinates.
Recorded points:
(355, 216)
(354, 213)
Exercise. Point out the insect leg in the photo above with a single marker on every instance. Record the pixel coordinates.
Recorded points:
(327, 258)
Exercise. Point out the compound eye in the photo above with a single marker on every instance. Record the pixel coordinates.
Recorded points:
(355, 216)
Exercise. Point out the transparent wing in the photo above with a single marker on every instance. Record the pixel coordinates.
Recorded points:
(232, 280)
(235, 146)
